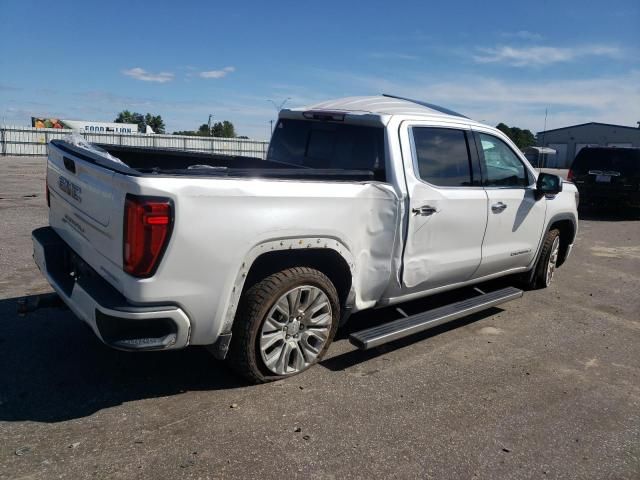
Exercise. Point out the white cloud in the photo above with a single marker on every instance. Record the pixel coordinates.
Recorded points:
(538, 56)
(520, 102)
(607, 99)
(217, 73)
(392, 56)
(523, 35)
(141, 74)
(8, 88)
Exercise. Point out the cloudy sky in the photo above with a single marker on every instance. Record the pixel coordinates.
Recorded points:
(186, 60)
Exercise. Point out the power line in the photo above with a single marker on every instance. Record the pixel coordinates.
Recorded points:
(279, 106)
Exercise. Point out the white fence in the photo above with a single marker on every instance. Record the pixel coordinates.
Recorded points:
(33, 141)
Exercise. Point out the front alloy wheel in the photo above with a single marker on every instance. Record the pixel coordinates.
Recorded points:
(547, 263)
(553, 260)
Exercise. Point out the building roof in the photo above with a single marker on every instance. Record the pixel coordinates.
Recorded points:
(588, 123)
(539, 150)
(383, 105)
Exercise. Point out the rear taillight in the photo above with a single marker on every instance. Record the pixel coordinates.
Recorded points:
(570, 175)
(147, 227)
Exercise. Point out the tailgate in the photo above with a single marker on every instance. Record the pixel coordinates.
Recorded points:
(606, 182)
(87, 208)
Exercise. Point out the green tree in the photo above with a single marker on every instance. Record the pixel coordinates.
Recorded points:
(522, 138)
(190, 133)
(126, 116)
(204, 130)
(504, 128)
(223, 129)
(228, 130)
(155, 122)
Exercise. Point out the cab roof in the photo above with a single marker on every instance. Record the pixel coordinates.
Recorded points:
(383, 105)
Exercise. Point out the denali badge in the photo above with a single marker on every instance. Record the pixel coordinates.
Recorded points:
(70, 188)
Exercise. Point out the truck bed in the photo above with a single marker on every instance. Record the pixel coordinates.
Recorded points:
(216, 223)
(143, 161)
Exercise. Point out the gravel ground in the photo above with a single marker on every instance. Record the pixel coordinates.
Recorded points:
(544, 387)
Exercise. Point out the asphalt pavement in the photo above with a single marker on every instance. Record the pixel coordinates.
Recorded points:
(547, 386)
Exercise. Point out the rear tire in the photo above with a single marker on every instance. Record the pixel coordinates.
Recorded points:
(545, 268)
(284, 325)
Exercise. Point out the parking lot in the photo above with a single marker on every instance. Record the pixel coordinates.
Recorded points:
(547, 386)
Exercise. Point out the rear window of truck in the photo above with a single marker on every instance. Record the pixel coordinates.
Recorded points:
(324, 145)
(623, 160)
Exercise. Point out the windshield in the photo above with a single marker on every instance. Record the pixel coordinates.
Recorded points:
(323, 145)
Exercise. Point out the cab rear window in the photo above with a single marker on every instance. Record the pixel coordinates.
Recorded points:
(325, 145)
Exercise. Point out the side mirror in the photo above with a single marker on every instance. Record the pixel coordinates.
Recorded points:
(548, 184)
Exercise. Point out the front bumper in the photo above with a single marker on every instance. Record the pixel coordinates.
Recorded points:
(117, 322)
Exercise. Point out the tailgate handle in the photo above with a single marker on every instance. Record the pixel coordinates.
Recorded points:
(69, 164)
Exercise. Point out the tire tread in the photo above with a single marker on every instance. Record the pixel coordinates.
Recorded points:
(241, 355)
(538, 281)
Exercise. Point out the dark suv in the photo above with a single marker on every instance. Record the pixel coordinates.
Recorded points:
(607, 175)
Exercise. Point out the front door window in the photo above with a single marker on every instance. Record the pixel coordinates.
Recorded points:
(503, 167)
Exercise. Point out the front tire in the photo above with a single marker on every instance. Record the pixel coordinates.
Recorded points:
(284, 325)
(547, 264)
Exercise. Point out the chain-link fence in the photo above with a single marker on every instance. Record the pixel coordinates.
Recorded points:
(33, 141)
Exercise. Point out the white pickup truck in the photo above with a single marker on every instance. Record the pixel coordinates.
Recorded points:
(361, 202)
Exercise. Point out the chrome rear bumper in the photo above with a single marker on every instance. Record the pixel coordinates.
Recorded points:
(114, 320)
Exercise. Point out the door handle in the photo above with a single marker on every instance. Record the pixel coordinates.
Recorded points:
(498, 207)
(424, 210)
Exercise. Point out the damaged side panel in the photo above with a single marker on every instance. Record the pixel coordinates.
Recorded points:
(361, 230)
(243, 219)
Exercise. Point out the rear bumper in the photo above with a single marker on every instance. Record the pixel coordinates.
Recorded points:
(594, 195)
(114, 320)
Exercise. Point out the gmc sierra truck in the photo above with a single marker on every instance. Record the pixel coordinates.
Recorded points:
(360, 203)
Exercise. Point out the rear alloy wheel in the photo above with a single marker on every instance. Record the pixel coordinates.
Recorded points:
(295, 330)
(284, 325)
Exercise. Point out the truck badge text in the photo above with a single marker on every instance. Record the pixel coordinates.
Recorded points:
(70, 188)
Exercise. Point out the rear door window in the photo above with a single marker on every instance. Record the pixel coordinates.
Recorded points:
(442, 156)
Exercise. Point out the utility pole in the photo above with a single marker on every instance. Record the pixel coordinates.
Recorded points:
(271, 123)
(209, 123)
(544, 131)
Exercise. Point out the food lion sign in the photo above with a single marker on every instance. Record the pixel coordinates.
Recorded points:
(84, 126)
